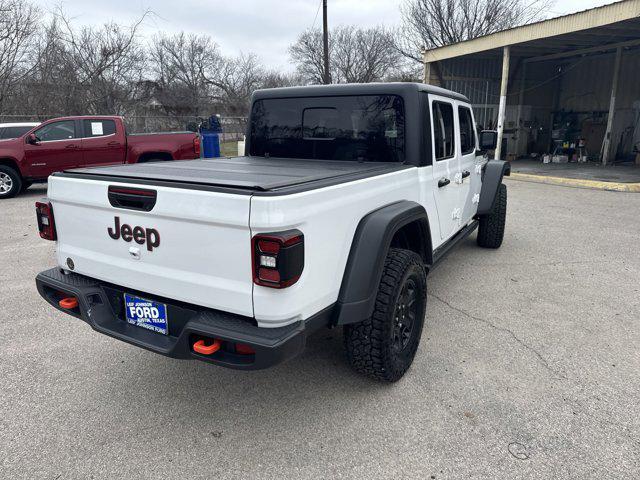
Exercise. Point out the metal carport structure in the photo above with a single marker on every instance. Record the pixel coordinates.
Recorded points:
(587, 63)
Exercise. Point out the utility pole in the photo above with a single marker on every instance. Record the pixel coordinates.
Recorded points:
(325, 35)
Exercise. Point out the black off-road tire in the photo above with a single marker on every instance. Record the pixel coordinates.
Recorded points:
(8, 176)
(375, 347)
(491, 228)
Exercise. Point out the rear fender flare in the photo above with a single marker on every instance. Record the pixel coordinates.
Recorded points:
(369, 249)
(494, 171)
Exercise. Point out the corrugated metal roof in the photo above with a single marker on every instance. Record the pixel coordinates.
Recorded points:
(587, 19)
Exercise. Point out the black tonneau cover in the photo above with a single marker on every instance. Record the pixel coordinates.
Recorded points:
(245, 173)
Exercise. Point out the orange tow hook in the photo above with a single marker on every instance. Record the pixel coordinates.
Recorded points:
(68, 303)
(203, 349)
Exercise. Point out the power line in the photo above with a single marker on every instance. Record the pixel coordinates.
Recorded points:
(316, 17)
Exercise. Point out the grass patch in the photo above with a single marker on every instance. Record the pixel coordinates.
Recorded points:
(229, 149)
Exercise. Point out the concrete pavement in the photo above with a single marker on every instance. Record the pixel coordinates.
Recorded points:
(528, 368)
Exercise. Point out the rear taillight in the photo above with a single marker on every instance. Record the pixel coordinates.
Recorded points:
(46, 224)
(196, 146)
(278, 258)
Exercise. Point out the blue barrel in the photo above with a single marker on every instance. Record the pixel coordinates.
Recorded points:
(210, 144)
(210, 133)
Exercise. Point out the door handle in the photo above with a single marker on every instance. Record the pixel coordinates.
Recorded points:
(113, 144)
(466, 173)
(443, 182)
(72, 146)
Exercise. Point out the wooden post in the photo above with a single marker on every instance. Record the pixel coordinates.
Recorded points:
(606, 143)
(506, 53)
(427, 72)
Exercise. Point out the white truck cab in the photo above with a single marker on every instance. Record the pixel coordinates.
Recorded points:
(347, 198)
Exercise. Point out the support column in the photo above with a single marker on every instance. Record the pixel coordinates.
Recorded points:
(606, 144)
(485, 117)
(506, 53)
(522, 131)
(427, 72)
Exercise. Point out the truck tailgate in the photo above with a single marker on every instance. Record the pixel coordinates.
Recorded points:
(203, 254)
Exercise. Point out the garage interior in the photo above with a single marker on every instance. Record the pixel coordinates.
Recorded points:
(561, 90)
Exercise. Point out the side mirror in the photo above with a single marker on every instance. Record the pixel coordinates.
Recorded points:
(32, 139)
(488, 140)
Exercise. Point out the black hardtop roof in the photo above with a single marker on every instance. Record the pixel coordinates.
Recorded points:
(391, 88)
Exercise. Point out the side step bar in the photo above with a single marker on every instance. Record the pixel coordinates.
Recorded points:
(440, 252)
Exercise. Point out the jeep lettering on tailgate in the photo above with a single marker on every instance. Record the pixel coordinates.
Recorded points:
(140, 235)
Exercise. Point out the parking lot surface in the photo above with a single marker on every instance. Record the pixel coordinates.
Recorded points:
(528, 368)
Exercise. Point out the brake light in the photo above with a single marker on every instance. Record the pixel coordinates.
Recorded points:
(278, 258)
(196, 146)
(46, 223)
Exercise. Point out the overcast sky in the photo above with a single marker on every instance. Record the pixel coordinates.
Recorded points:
(265, 27)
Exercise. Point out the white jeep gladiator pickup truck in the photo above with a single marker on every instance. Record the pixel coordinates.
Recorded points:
(347, 197)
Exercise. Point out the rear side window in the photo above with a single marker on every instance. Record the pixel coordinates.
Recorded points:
(467, 133)
(63, 130)
(443, 130)
(14, 132)
(357, 128)
(98, 128)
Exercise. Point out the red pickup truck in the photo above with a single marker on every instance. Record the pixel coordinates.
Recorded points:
(71, 142)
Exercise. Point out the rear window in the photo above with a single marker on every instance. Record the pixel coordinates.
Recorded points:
(443, 130)
(361, 128)
(14, 132)
(99, 128)
(467, 134)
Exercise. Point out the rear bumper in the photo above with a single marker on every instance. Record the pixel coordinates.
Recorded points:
(101, 305)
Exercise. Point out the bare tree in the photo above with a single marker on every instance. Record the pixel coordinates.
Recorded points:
(235, 79)
(86, 70)
(179, 64)
(356, 55)
(50, 87)
(275, 79)
(363, 55)
(18, 25)
(109, 63)
(55, 67)
(192, 77)
(434, 23)
(306, 54)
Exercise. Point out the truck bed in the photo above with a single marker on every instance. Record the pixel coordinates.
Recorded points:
(245, 174)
